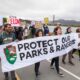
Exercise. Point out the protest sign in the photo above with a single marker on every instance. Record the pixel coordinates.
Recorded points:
(46, 20)
(20, 54)
(13, 21)
(38, 24)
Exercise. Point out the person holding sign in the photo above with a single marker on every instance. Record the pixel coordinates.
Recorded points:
(57, 31)
(39, 33)
(46, 30)
(6, 37)
(70, 54)
(32, 30)
(78, 31)
(25, 32)
(1, 30)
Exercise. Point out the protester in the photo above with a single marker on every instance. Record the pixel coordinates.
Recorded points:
(57, 31)
(1, 30)
(70, 54)
(16, 32)
(46, 30)
(32, 30)
(20, 33)
(39, 33)
(8, 36)
(25, 32)
(78, 31)
(74, 50)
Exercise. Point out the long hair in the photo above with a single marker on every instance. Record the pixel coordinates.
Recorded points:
(77, 30)
(55, 30)
(68, 29)
(37, 32)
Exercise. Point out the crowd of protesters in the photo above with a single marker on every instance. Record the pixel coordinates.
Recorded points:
(9, 34)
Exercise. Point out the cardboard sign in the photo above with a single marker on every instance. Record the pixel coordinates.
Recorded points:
(1, 21)
(38, 24)
(46, 20)
(13, 21)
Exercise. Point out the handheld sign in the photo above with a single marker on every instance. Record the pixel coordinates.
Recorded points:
(14, 21)
(46, 20)
(38, 24)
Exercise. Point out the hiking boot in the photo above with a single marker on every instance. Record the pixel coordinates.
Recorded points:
(51, 67)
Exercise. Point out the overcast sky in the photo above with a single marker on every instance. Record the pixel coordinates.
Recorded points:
(38, 9)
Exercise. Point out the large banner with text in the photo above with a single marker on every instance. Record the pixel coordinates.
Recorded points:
(20, 54)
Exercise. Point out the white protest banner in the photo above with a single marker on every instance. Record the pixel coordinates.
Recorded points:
(27, 52)
(1, 21)
(13, 21)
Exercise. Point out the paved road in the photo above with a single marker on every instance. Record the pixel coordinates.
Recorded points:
(70, 72)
